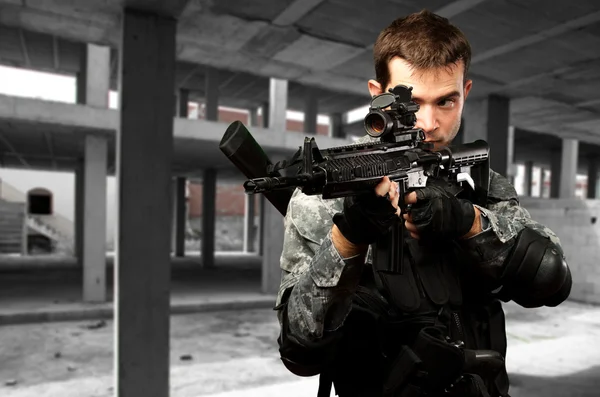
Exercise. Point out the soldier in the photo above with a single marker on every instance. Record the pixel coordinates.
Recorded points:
(438, 328)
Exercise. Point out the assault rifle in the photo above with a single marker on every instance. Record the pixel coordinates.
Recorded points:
(397, 149)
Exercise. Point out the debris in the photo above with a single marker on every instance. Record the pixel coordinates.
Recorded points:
(71, 368)
(95, 325)
(186, 357)
(11, 382)
(57, 355)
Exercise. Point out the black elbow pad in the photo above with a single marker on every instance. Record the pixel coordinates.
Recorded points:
(536, 271)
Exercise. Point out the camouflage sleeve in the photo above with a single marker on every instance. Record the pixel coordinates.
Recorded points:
(317, 283)
(490, 248)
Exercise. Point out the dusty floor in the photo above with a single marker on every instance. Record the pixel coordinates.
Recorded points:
(552, 352)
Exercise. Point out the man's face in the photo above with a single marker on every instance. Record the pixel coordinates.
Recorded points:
(440, 94)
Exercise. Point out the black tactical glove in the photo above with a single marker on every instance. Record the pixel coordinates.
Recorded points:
(438, 214)
(365, 218)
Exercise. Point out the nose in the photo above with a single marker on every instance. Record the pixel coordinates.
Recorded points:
(426, 120)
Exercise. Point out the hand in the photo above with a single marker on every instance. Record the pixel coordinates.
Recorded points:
(368, 216)
(437, 214)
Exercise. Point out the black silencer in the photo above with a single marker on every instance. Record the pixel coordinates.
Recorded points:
(248, 156)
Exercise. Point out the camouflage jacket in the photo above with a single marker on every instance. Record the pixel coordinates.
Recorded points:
(322, 283)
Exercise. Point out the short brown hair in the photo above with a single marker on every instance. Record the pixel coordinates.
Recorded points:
(425, 40)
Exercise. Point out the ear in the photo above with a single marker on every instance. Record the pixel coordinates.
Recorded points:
(468, 85)
(374, 88)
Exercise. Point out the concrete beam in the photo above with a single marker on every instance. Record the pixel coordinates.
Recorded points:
(68, 120)
(557, 30)
(457, 7)
(165, 8)
(142, 262)
(295, 11)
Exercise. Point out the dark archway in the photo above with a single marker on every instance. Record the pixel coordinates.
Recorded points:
(39, 202)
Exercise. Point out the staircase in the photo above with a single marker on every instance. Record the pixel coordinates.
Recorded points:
(55, 227)
(11, 227)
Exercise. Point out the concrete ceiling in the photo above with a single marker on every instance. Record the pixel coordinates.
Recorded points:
(543, 55)
(44, 52)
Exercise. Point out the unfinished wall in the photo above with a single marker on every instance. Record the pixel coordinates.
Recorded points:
(577, 224)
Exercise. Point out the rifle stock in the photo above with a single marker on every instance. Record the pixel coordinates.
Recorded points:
(247, 155)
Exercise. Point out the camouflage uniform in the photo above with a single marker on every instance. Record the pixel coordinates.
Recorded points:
(318, 285)
(319, 288)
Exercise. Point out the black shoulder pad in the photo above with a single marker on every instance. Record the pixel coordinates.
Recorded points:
(535, 270)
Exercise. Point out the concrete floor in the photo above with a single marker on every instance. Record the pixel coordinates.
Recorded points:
(552, 351)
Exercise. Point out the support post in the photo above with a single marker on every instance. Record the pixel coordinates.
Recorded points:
(144, 148)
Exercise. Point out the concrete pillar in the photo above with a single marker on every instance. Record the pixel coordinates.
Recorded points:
(265, 115)
(271, 220)
(528, 180)
(555, 165)
(273, 229)
(93, 79)
(211, 87)
(568, 169)
(78, 213)
(593, 166)
(262, 203)
(94, 219)
(250, 201)
(336, 126)
(253, 117)
(488, 119)
(209, 208)
(278, 98)
(179, 216)
(144, 147)
(183, 98)
(92, 88)
(311, 105)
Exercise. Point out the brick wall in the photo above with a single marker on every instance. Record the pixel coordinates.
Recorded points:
(577, 223)
(230, 197)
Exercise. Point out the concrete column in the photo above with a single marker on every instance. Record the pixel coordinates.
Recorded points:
(555, 166)
(253, 117)
(265, 115)
(568, 169)
(179, 217)
(79, 214)
(278, 98)
(528, 180)
(183, 99)
(94, 219)
(93, 79)
(542, 183)
(249, 215)
(271, 220)
(488, 119)
(336, 126)
(593, 166)
(209, 208)
(262, 203)
(144, 147)
(311, 105)
(92, 88)
(212, 93)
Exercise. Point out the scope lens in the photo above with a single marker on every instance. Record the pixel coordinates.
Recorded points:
(375, 124)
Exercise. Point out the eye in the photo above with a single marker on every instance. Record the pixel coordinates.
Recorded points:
(447, 102)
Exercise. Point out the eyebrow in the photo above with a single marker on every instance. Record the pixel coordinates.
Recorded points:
(440, 98)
